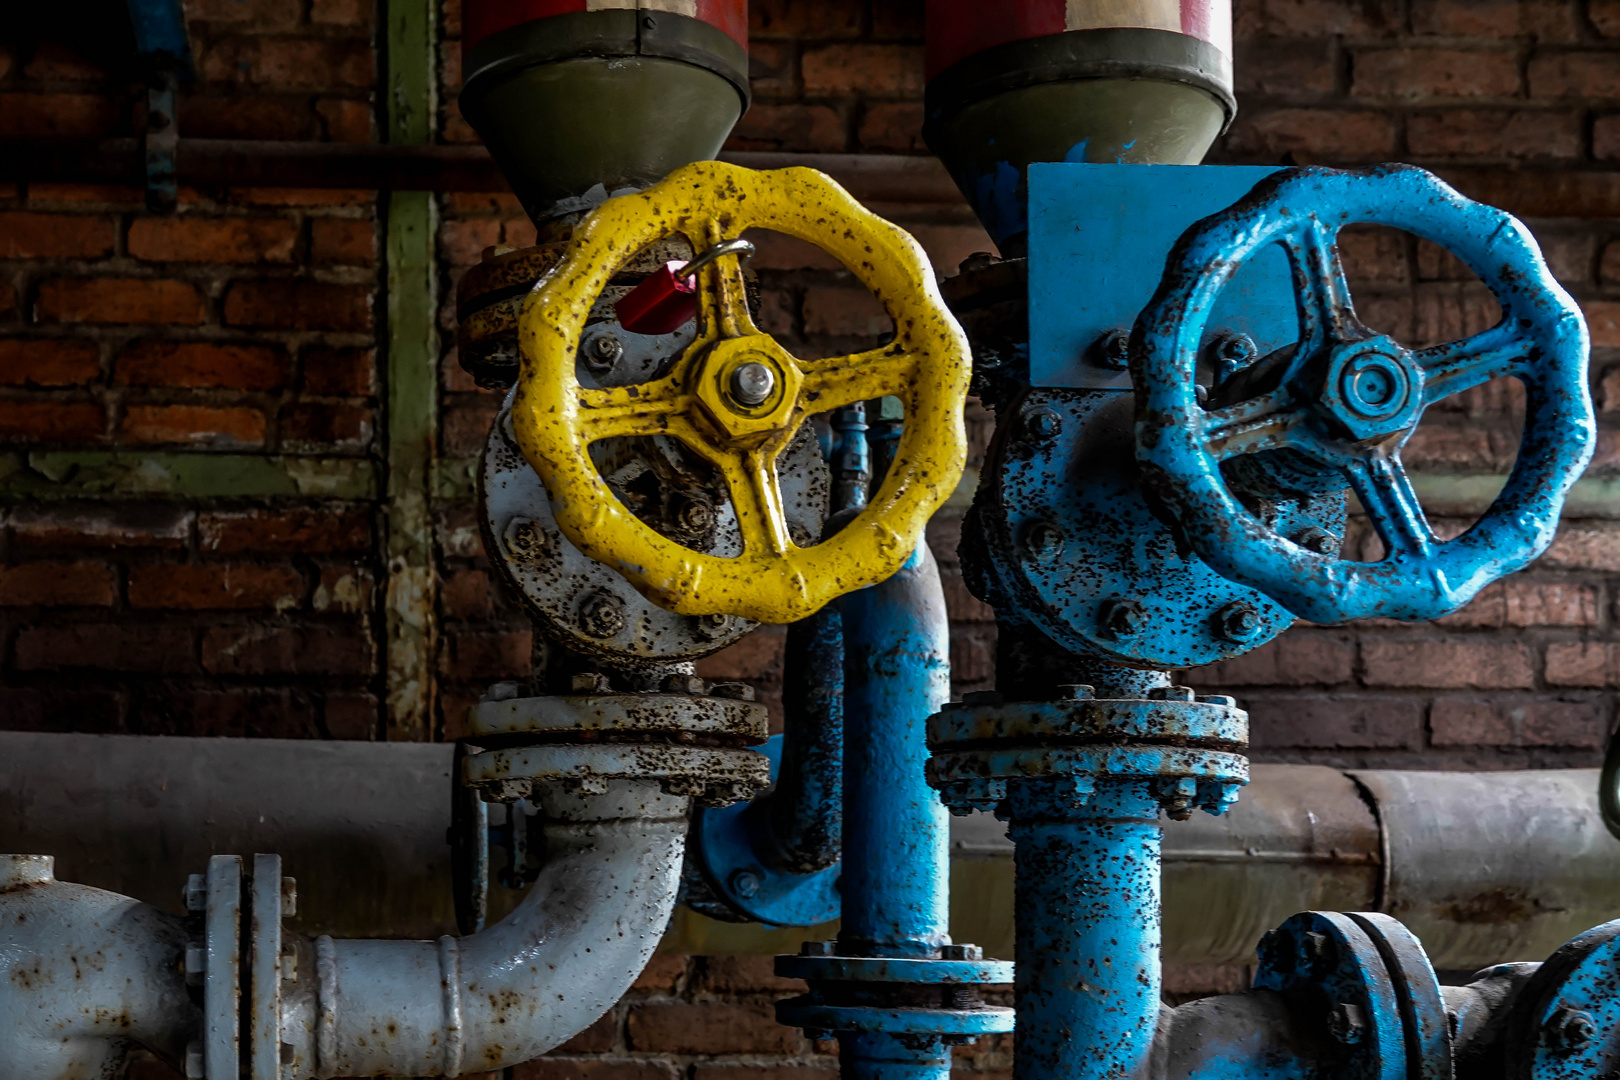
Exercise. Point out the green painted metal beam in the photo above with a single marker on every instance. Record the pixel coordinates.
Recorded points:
(76, 474)
(409, 106)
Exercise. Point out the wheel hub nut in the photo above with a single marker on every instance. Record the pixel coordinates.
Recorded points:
(752, 383)
(601, 614)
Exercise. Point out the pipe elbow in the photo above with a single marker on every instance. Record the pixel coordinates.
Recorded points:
(88, 974)
(507, 994)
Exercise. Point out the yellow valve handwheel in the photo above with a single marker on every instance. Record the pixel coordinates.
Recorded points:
(703, 401)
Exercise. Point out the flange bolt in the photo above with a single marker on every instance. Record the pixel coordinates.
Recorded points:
(1113, 349)
(1042, 425)
(1346, 1023)
(1238, 621)
(1123, 618)
(752, 383)
(1043, 540)
(745, 883)
(601, 614)
(1570, 1029)
(1319, 541)
(603, 351)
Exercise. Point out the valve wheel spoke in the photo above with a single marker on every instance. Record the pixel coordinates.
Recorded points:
(1268, 422)
(655, 408)
(1326, 312)
(1386, 493)
(1458, 366)
(757, 498)
(840, 381)
(724, 292)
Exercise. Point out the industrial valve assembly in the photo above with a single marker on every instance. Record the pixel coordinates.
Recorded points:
(1188, 415)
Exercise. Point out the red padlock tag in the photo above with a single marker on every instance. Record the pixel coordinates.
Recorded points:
(662, 303)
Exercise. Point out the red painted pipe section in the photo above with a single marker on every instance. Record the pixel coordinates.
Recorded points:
(957, 29)
(481, 18)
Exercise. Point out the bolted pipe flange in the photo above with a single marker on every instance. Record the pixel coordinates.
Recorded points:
(928, 996)
(1565, 1023)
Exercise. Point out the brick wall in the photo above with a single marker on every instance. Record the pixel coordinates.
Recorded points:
(246, 328)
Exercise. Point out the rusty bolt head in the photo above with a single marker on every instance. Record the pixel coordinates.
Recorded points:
(713, 626)
(1043, 541)
(1113, 349)
(694, 515)
(196, 893)
(1042, 425)
(1122, 618)
(818, 948)
(746, 883)
(502, 691)
(683, 684)
(602, 352)
(523, 538)
(1319, 541)
(1172, 693)
(1570, 1029)
(196, 965)
(194, 1061)
(1238, 621)
(1231, 353)
(961, 952)
(737, 691)
(601, 614)
(1346, 1023)
(289, 963)
(588, 682)
(1319, 950)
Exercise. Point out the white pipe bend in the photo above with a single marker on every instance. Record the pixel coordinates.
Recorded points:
(581, 936)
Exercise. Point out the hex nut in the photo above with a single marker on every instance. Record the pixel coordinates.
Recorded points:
(602, 352)
(818, 948)
(1570, 1029)
(745, 883)
(1042, 425)
(1122, 618)
(737, 691)
(1043, 541)
(683, 684)
(961, 952)
(1112, 349)
(601, 614)
(1239, 621)
(1346, 1023)
(1319, 541)
(713, 626)
(196, 893)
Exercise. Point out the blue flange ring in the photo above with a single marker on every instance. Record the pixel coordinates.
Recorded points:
(1344, 399)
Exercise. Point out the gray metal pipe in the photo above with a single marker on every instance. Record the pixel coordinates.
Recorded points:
(1485, 867)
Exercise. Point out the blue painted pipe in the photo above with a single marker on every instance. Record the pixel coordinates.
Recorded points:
(804, 812)
(1087, 927)
(896, 853)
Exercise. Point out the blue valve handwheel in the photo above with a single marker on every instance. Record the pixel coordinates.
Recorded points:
(1345, 399)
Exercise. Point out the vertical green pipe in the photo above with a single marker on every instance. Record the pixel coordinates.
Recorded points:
(409, 104)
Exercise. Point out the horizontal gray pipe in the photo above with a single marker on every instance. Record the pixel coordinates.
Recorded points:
(1484, 867)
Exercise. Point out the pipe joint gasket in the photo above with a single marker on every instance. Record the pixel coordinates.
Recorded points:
(686, 717)
(925, 996)
(713, 776)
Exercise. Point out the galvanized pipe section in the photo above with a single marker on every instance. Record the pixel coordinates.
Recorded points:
(1087, 899)
(508, 994)
(896, 836)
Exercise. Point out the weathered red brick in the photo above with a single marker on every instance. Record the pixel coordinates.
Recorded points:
(1583, 545)
(773, 68)
(233, 116)
(345, 590)
(309, 531)
(889, 70)
(1609, 391)
(167, 650)
(792, 128)
(100, 525)
(1528, 722)
(1578, 75)
(746, 975)
(1606, 138)
(57, 584)
(287, 650)
(246, 14)
(51, 421)
(1320, 18)
(1603, 319)
(214, 586)
(201, 425)
(709, 1029)
(140, 301)
(596, 1039)
(1548, 20)
(1298, 658)
(28, 235)
(213, 240)
(299, 305)
(340, 372)
(48, 362)
(588, 1069)
(1552, 603)
(1334, 722)
(290, 62)
(1583, 663)
(351, 13)
(351, 716)
(28, 116)
(256, 714)
(343, 240)
(311, 425)
(845, 312)
(487, 656)
(1447, 663)
(203, 364)
(961, 604)
(462, 242)
(663, 973)
(1295, 68)
(811, 19)
(345, 120)
(467, 422)
(60, 710)
(465, 594)
(973, 654)
(1496, 133)
(1605, 16)
(1420, 74)
(1340, 135)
